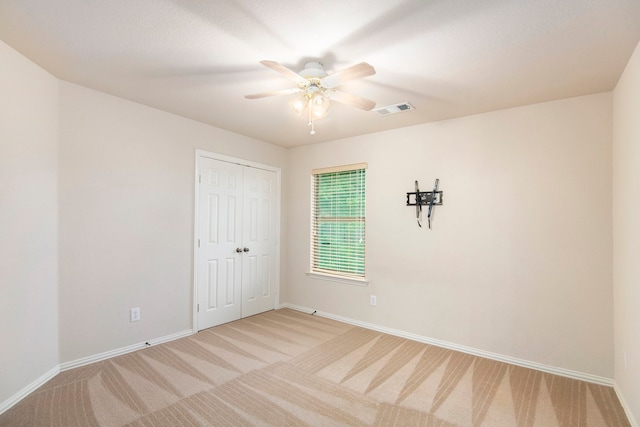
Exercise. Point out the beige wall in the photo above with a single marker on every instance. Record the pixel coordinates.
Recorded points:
(28, 223)
(519, 259)
(126, 218)
(626, 233)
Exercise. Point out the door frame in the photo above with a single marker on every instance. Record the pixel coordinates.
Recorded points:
(199, 153)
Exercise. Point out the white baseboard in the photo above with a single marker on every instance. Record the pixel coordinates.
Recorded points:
(625, 406)
(7, 404)
(123, 350)
(464, 349)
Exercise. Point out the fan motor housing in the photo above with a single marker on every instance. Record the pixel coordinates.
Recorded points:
(313, 70)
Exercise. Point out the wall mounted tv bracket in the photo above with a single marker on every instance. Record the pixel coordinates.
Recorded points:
(425, 198)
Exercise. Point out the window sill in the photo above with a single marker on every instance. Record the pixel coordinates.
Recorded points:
(339, 279)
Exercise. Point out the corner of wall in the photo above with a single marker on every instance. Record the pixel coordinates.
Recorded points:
(626, 235)
(29, 120)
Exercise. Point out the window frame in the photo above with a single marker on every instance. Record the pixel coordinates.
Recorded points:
(337, 276)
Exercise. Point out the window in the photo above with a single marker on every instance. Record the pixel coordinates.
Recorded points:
(338, 222)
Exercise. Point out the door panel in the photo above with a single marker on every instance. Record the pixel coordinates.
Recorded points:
(260, 237)
(219, 222)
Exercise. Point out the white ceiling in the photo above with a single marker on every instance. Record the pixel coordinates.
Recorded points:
(198, 58)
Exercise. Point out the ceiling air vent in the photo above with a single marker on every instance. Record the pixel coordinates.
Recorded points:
(393, 109)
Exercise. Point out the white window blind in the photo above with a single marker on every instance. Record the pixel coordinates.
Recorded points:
(338, 221)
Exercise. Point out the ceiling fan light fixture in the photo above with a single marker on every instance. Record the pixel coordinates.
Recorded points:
(318, 109)
(298, 105)
(319, 105)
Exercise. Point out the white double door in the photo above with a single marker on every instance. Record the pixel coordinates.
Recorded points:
(237, 241)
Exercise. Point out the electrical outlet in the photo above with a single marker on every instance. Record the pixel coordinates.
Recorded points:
(135, 314)
(373, 300)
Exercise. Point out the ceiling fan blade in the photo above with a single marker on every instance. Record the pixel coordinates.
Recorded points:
(352, 100)
(273, 93)
(291, 75)
(357, 71)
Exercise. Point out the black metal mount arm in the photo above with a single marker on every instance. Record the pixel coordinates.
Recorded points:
(425, 198)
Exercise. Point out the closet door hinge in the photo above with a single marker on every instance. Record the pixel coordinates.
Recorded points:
(200, 178)
(198, 308)
(198, 242)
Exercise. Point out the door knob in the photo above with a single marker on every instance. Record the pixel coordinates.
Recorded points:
(246, 249)
(239, 250)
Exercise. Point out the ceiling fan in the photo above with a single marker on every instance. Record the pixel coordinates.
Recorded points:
(317, 88)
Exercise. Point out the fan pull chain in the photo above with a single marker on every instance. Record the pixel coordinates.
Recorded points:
(310, 108)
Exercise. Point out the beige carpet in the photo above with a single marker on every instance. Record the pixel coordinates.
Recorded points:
(286, 368)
